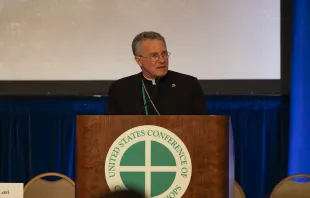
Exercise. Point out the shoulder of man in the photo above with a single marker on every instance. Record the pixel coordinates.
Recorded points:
(125, 81)
(181, 77)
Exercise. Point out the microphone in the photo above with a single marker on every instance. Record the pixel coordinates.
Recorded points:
(156, 93)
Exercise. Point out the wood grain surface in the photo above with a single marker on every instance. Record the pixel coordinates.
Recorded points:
(206, 138)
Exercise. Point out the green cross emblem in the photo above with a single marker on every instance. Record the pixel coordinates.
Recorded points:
(151, 160)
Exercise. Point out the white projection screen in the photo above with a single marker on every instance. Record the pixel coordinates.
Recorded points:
(90, 40)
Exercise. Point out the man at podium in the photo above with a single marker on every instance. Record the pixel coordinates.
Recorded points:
(156, 90)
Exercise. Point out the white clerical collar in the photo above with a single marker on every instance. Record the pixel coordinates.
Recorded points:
(153, 80)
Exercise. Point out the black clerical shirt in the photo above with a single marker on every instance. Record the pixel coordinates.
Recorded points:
(174, 94)
(152, 92)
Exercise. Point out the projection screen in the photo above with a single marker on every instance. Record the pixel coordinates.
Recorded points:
(87, 43)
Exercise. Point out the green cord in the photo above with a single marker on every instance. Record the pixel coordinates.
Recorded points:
(144, 100)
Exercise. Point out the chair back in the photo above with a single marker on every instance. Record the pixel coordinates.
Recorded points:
(288, 188)
(238, 192)
(64, 187)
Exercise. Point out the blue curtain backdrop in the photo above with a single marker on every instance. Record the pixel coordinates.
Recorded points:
(37, 136)
(299, 157)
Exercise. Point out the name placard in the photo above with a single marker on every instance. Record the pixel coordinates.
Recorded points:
(11, 190)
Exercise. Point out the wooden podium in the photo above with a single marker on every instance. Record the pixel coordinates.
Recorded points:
(205, 137)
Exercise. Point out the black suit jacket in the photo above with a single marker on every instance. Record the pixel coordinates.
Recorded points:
(177, 94)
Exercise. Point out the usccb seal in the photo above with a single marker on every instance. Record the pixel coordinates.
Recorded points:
(151, 160)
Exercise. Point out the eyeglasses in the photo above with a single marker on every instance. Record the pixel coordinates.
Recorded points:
(156, 56)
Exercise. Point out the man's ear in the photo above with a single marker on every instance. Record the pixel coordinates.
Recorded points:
(138, 60)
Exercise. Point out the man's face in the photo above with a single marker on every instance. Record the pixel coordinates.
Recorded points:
(153, 58)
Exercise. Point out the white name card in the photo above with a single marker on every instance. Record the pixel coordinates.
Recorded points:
(11, 190)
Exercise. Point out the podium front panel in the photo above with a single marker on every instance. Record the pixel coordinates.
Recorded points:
(109, 149)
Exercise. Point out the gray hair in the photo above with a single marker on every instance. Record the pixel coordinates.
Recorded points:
(138, 40)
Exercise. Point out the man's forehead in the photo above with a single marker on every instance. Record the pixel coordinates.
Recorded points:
(153, 46)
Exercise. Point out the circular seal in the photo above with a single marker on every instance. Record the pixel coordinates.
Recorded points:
(151, 160)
